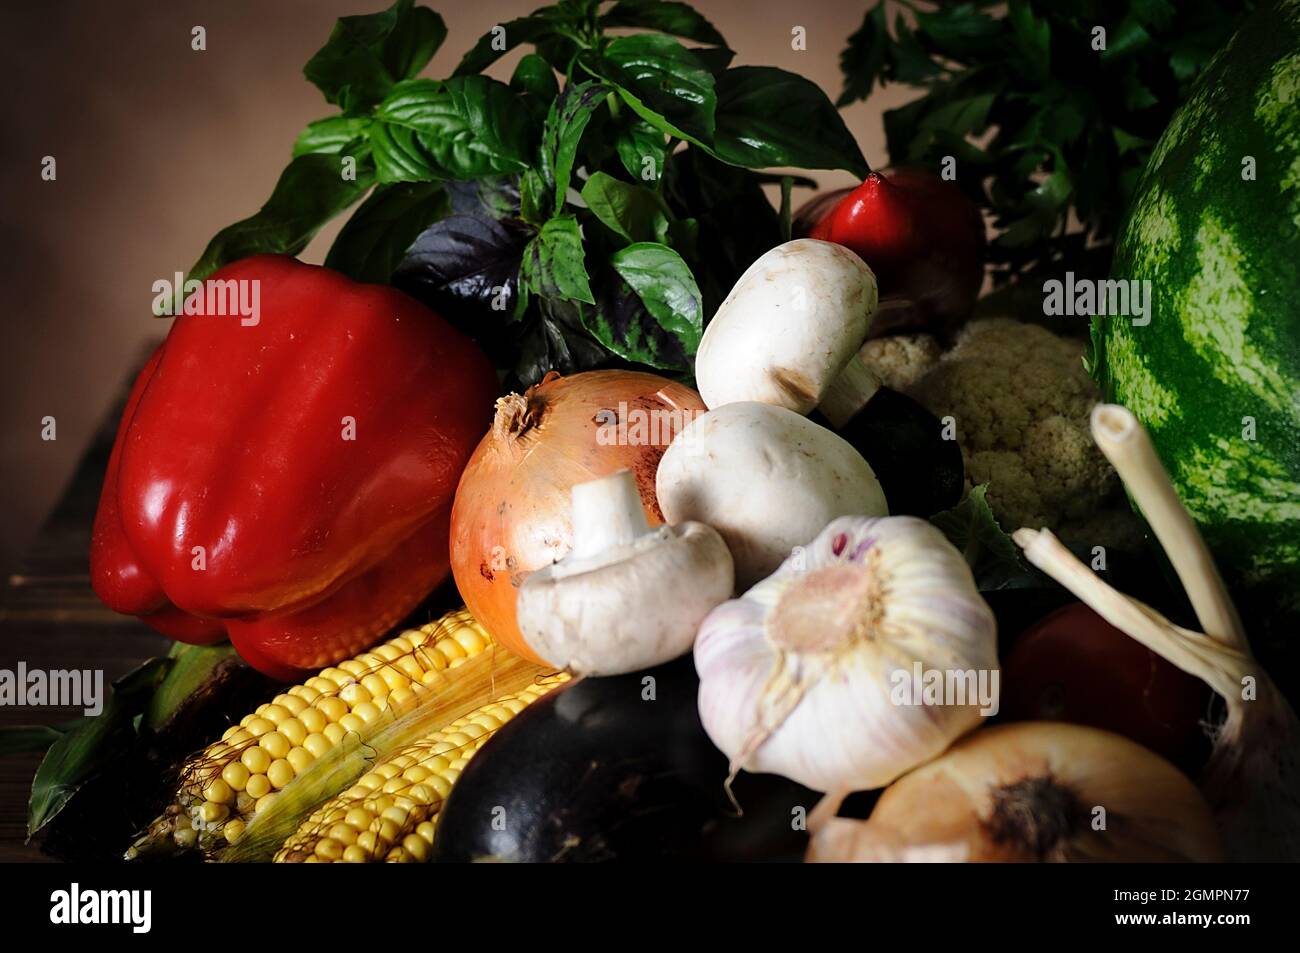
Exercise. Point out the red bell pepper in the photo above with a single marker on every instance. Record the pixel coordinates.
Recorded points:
(921, 236)
(288, 482)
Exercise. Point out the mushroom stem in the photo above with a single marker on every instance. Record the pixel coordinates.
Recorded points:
(1128, 447)
(849, 392)
(607, 512)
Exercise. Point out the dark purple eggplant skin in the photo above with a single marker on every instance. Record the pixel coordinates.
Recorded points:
(920, 472)
(596, 772)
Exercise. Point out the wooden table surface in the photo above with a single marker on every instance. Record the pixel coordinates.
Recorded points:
(50, 619)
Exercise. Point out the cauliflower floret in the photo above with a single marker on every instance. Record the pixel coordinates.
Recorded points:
(1021, 398)
(902, 360)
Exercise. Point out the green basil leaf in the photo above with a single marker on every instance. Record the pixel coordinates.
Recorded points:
(494, 196)
(768, 117)
(311, 190)
(642, 149)
(553, 265)
(534, 80)
(715, 59)
(665, 285)
(535, 198)
(329, 135)
(679, 19)
(402, 156)
(535, 76)
(562, 134)
(632, 212)
(376, 238)
(556, 338)
(94, 742)
(366, 55)
(463, 128)
(736, 220)
(504, 37)
(663, 82)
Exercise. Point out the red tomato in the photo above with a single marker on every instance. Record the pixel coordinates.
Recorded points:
(1074, 666)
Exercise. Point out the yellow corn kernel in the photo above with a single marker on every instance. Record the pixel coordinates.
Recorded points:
(275, 744)
(388, 814)
(334, 733)
(258, 726)
(258, 786)
(313, 720)
(367, 711)
(280, 773)
(219, 792)
(256, 760)
(276, 713)
(333, 707)
(293, 730)
(236, 775)
(281, 739)
(299, 759)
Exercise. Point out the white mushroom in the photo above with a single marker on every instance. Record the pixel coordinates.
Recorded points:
(788, 334)
(767, 479)
(626, 597)
(789, 329)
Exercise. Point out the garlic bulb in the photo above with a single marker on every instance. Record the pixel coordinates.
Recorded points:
(866, 653)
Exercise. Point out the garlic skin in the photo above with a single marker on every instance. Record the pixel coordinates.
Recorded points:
(799, 676)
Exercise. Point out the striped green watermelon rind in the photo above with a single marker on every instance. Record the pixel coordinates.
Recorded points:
(1223, 343)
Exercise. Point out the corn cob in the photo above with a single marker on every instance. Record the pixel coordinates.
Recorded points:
(391, 812)
(232, 780)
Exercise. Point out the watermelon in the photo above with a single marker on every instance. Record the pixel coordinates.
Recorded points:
(1215, 375)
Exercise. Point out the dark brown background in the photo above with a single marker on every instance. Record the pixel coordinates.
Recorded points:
(158, 146)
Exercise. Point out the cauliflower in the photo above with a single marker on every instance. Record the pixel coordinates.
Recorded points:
(1021, 398)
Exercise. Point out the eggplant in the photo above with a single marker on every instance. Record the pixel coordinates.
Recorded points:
(617, 769)
(920, 472)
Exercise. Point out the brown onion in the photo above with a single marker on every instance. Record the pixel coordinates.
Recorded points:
(1032, 791)
(511, 513)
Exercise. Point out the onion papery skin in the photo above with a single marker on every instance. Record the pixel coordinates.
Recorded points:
(512, 509)
(946, 810)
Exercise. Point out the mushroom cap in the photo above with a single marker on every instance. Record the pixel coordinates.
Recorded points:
(788, 327)
(632, 606)
(767, 479)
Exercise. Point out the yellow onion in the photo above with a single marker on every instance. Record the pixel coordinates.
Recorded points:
(511, 513)
(1030, 792)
